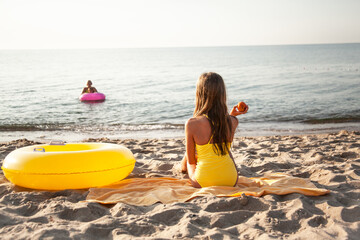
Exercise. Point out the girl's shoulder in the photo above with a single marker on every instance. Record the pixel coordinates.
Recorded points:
(196, 121)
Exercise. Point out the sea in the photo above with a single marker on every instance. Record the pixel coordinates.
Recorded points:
(150, 92)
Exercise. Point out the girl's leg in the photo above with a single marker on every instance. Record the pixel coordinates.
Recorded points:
(186, 168)
(191, 173)
(184, 164)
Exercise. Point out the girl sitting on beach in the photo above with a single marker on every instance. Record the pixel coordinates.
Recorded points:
(209, 134)
(89, 88)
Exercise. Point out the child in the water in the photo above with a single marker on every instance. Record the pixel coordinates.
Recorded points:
(89, 88)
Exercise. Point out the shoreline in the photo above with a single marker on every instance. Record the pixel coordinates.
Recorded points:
(244, 130)
(330, 160)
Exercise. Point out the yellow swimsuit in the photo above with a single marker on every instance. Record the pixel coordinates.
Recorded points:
(212, 169)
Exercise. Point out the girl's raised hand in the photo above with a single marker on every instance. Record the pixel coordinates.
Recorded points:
(235, 111)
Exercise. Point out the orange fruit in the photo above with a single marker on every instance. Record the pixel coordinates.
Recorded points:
(241, 106)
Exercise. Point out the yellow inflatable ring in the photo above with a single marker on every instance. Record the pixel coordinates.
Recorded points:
(68, 166)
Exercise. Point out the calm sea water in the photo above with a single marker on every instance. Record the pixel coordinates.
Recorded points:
(151, 92)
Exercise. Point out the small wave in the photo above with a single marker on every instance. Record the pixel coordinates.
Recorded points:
(332, 120)
(141, 127)
(27, 127)
(87, 128)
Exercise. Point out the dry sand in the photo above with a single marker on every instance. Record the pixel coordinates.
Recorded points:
(330, 161)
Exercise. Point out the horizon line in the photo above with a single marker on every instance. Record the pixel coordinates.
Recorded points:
(165, 47)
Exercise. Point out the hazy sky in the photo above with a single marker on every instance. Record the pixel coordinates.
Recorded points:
(165, 23)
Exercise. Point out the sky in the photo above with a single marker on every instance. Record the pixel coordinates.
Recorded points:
(67, 24)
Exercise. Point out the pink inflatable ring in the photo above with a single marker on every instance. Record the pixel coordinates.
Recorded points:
(92, 97)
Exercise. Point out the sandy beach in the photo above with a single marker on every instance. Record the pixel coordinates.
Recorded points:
(330, 161)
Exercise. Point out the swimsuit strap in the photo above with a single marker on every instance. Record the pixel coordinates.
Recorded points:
(210, 138)
(211, 134)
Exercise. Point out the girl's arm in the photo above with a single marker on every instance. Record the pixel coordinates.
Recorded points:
(190, 152)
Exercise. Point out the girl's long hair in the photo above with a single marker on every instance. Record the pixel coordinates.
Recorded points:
(211, 100)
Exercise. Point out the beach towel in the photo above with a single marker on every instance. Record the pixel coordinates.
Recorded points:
(147, 191)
